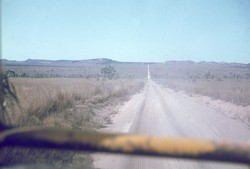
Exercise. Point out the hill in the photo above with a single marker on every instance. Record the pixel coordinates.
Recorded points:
(162, 70)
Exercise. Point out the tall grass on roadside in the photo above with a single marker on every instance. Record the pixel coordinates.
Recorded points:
(230, 90)
(61, 103)
(41, 98)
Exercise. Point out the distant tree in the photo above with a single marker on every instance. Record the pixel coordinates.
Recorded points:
(109, 72)
(207, 75)
(11, 73)
(131, 76)
(24, 75)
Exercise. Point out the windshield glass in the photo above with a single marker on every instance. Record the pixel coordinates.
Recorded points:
(164, 68)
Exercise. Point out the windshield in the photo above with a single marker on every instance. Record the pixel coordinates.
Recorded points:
(174, 68)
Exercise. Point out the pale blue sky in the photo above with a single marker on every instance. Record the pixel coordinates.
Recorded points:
(126, 30)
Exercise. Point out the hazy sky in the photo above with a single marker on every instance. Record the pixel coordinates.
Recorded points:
(126, 30)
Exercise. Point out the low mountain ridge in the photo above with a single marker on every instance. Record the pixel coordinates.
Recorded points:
(43, 62)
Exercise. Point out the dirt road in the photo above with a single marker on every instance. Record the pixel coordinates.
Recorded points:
(160, 111)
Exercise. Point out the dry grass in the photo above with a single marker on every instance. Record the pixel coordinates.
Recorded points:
(43, 98)
(62, 103)
(234, 91)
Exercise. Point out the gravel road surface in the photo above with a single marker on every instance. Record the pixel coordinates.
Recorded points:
(160, 111)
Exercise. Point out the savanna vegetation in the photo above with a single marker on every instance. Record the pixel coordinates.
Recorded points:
(69, 103)
(63, 96)
(236, 91)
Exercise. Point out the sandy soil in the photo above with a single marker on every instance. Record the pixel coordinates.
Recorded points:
(231, 110)
(160, 111)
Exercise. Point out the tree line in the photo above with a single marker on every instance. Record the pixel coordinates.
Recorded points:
(106, 72)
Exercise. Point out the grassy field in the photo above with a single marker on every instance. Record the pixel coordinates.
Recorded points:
(134, 70)
(78, 103)
(62, 103)
(230, 90)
